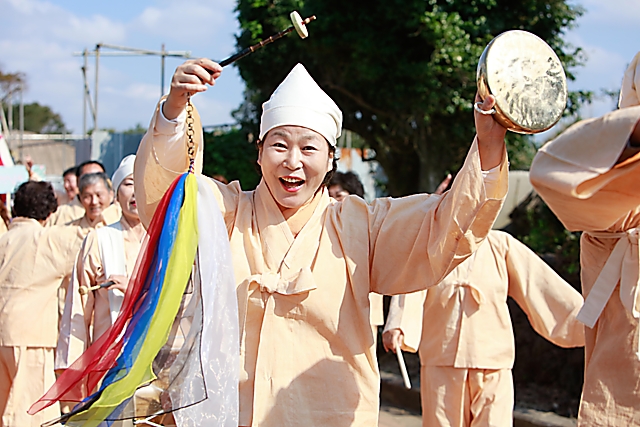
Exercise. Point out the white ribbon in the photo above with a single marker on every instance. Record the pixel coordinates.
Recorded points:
(111, 244)
(622, 267)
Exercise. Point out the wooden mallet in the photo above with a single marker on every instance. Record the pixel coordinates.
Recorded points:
(403, 367)
(299, 24)
(86, 289)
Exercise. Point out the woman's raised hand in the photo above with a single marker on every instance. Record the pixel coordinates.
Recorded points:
(490, 135)
(191, 77)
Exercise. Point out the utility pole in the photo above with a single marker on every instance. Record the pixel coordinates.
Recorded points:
(121, 51)
(95, 90)
(162, 51)
(10, 110)
(87, 96)
(85, 90)
(21, 117)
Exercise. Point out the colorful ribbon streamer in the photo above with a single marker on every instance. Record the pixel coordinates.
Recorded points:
(121, 360)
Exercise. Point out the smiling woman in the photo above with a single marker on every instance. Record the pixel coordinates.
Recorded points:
(304, 263)
(295, 162)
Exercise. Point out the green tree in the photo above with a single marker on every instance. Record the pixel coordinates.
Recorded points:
(10, 84)
(230, 154)
(39, 119)
(402, 71)
(138, 129)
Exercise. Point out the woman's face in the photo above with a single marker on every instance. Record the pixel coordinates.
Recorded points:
(127, 200)
(294, 162)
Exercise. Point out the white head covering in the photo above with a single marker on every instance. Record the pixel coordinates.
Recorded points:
(299, 101)
(630, 91)
(124, 170)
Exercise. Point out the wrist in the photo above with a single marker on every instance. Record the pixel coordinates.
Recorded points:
(173, 106)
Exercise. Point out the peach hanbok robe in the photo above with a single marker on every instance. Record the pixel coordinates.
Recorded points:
(87, 317)
(66, 213)
(85, 225)
(31, 267)
(579, 177)
(306, 347)
(463, 325)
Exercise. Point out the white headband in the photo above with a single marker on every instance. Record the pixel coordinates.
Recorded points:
(124, 170)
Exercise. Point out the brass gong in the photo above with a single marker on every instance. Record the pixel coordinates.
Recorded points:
(527, 79)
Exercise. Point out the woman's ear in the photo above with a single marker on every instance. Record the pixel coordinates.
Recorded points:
(259, 155)
(330, 161)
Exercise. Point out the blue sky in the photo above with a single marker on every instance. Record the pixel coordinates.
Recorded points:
(39, 37)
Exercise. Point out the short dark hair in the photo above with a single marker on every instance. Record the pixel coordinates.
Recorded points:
(35, 199)
(71, 170)
(93, 178)
(327, 177)
(88, 162)
(349, 182)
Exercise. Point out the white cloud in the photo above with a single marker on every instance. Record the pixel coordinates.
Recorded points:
(33, 19)
(611, 12)
(201, 25)
(29, 7)
(90, 30)
(603, 68)
(39, 38)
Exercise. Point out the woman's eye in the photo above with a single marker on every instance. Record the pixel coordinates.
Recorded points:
(279, 145)
(310, 148)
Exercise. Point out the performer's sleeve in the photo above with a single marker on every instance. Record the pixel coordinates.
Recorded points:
(74, 337)
(550, 303)
(578, 174)
(416, 241)
(405, 313)
(162, 157)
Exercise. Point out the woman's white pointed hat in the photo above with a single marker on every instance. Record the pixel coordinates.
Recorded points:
(299, 101)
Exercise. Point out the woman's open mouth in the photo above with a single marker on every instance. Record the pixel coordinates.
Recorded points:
(291, 184)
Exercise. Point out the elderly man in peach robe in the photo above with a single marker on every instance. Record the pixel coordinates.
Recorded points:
(590, 177)
(305, 264)
(75, 209)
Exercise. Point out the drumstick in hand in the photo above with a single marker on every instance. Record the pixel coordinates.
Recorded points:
(403, 367)
(86, 289)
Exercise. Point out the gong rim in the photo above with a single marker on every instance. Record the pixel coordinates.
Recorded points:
(527, 79)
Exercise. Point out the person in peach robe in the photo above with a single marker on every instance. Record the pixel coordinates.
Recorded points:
(589, 177)
(30, 272)
(341, 185)
(74, 209)
(107, 254)
(305, 264)
(463, 330)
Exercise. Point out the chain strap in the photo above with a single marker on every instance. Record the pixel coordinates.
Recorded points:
(191, 145)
